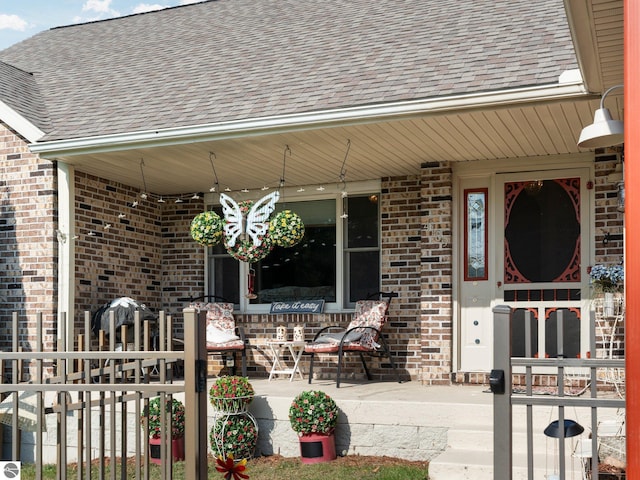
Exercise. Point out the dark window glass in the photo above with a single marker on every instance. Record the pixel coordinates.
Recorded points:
(518, 329)
(570, 332)
(306, 271)
(362, 224)
(362, 252)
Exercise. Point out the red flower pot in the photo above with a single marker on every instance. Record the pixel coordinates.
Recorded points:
(317, 448)
(177, 449)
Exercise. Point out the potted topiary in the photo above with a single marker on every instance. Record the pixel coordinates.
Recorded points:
(235, 430)
(313, 415)
(235, 435)
(231, 394)
(152, 416)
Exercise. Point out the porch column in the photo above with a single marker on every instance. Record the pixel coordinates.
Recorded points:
(632, 236)
(66, 248)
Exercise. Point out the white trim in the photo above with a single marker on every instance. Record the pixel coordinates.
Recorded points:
(309, 120)
(19, 123)
(66, 247)
(525, 164)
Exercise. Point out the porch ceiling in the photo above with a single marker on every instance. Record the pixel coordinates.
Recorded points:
(378, 149)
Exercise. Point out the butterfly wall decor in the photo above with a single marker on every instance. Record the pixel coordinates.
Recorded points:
(254, 224)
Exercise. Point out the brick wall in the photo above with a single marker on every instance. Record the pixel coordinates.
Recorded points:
(609, 244)
(144, 251)
(436, 273)
(28, 240)
(609, 222)
(400, 208)
(401, 211)
(118, 245)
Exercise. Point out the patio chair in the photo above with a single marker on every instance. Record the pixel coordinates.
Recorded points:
(362, 336)
(223, 336)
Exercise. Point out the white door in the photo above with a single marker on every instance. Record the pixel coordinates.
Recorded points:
(524, 241)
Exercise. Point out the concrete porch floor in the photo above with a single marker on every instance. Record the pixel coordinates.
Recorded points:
(449, 426)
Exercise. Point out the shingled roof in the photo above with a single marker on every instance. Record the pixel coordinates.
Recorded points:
(226, 60)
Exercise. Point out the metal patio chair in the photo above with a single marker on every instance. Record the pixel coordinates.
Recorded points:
(363, 335)
(224, 336)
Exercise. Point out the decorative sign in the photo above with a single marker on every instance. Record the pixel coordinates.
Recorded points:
(298, 306)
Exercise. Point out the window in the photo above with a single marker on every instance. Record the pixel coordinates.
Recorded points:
(306, 271)
(337, 261)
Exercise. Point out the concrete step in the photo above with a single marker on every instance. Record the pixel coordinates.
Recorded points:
(460, 464)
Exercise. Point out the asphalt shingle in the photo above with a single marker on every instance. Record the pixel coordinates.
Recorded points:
(226, 60)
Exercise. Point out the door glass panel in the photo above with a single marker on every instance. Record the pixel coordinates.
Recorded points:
(542, 231)
(570, 332)
(518, 330)
(475, 234)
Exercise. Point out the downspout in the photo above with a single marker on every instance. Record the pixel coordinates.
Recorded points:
(66, 251)
(632, 234)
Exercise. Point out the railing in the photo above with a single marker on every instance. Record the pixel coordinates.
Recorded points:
(598, 397)
(91, 401)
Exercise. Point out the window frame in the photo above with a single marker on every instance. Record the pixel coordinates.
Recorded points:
(300, 194)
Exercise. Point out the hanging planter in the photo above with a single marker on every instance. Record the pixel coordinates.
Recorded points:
(246, 251)
(207, 228)
(286, 229)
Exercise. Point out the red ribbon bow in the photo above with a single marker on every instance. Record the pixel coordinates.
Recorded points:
(231, 469)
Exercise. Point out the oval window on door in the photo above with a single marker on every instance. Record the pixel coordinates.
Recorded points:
(542, 231)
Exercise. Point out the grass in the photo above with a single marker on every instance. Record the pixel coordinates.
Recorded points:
(279, 468)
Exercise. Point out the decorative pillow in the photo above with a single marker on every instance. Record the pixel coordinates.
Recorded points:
(215, 335)
(369, 313)
(219, 316)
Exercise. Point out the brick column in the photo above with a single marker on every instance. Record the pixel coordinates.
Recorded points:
(436, 273)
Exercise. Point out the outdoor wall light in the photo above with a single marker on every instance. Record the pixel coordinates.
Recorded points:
(571, 429)
(604, 131)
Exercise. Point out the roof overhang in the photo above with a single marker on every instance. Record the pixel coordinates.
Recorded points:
(386, 140)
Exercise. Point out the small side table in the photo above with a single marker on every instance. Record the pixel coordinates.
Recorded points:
(278, 348)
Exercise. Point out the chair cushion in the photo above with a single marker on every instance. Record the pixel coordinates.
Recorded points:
(233, 345)
(369, 313)
(220, 326)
